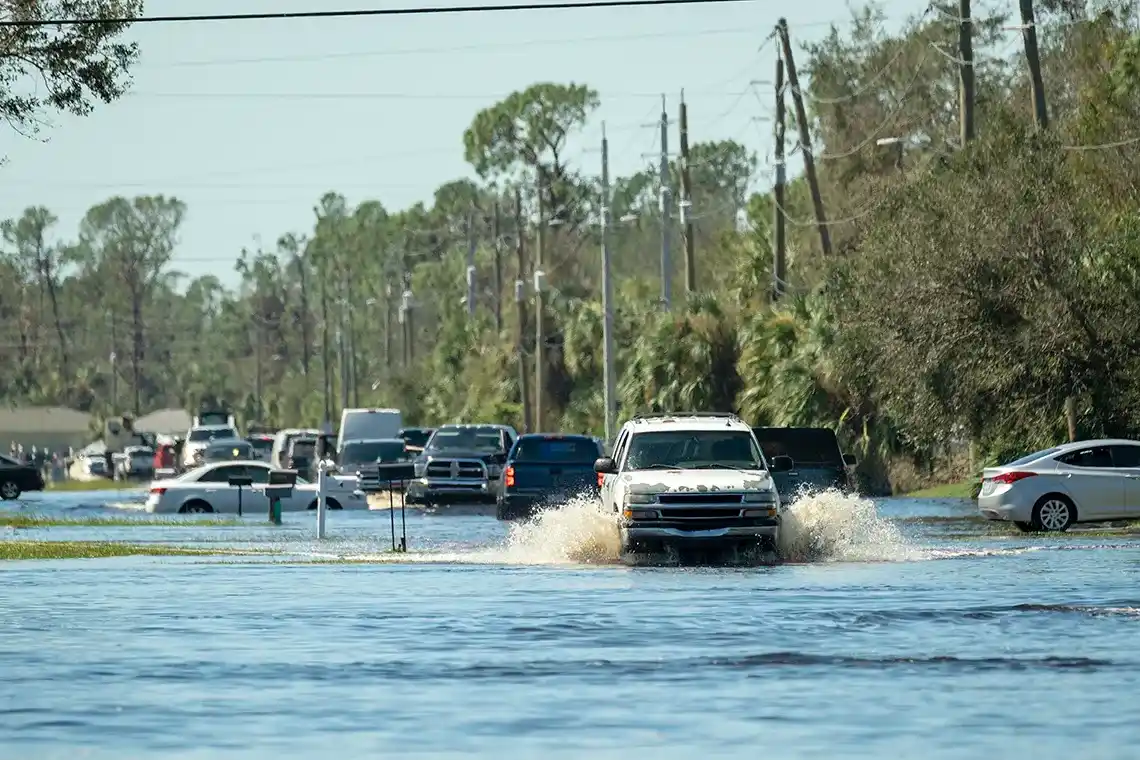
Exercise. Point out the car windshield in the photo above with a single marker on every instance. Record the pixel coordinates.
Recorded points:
(467, 439)
(413, 437)
(201, 435)
(564, 450)
(1032, 457)
(373, 451)
(230, 450)
(694, 449)
(304, 448)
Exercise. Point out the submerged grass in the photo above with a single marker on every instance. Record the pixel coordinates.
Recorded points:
(18, 550)
(52, 521)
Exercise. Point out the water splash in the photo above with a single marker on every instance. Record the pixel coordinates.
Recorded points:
(830, 526)
(577, 532)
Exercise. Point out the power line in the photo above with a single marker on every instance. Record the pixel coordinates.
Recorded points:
(363, 12)
(483, 46)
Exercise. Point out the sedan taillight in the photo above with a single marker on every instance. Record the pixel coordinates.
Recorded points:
(1009, 478)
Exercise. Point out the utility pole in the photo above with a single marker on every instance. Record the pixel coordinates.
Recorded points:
(965, 72)
(780, 242)
(687, 200)
(1033, 59)
(343, 368)
(326, 357)
(472, 244)
(497, 231)
(520, 306)
(1041, 118)
(539, 315)
(805, 137)
(666, 214)
(607, 298)
(388, 324)
(257, 376)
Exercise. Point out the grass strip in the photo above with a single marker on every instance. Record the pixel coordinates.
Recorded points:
(963, 490)
(99, 484)
(20, 550)
(25, 520)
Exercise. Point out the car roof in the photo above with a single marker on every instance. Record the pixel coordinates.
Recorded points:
(399, 441)
(557, 436)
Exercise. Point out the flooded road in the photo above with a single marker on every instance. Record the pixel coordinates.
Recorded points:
(898, 629)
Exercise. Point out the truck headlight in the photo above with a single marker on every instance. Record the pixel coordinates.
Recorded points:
(419, 469)
(753, 497)
(640, 498)
(640, 514)
(493, 470)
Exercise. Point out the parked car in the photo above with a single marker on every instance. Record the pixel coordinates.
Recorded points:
(547, 470)
(818, 461)
(1056, 488)
(18, 477)
(207, 489)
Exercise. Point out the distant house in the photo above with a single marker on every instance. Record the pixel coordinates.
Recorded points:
(164, 422)
(53, 427)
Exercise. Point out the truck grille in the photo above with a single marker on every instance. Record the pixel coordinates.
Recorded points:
(700, 497)
(711, 513)
(468, 469)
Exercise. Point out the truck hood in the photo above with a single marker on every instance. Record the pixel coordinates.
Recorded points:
(671, 481)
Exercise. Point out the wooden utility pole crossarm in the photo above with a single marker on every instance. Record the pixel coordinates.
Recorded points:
(805, 137)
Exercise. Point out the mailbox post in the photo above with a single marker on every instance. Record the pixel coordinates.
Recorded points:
(241, 482)
(280, 486)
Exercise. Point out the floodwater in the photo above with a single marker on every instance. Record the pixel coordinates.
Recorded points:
(901, 629)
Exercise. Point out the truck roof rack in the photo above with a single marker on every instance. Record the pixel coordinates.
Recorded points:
(665, 415)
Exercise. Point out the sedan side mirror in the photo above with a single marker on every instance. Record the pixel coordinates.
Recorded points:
(850, 460)
(605, 466)
(782, 464)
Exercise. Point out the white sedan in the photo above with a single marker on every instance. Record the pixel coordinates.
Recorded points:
(1054, 489)
(207, 489)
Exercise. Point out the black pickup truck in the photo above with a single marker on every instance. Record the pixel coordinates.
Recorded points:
(819, 462)
(545, 470)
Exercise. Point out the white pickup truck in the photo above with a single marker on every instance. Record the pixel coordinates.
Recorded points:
(691, 481)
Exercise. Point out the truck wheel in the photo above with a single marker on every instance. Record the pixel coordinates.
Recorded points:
(9, 490)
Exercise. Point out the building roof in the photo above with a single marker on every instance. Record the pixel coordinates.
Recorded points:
(43, 419)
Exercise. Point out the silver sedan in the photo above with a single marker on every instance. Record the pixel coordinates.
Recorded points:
(1053, 489)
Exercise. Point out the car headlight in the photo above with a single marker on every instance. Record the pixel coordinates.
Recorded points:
(753, 497)
(640, 498)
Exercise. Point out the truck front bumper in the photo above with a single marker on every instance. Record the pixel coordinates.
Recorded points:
(760, 531)
(441, 490)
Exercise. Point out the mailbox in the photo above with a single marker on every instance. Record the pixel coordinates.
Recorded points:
(395, 472)
(281, 483)
(241, 481)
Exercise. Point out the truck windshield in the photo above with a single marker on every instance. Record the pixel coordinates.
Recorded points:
(561, 450)
(366, 452)
(473, 439)
(694, 449)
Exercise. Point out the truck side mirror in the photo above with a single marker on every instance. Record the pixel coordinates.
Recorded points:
(782, 464)
(605, 466)
(850, 460)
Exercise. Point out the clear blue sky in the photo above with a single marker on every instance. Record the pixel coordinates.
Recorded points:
(251, 122)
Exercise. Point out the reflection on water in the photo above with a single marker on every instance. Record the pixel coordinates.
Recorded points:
(887, 635)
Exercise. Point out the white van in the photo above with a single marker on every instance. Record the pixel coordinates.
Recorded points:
(368, 425)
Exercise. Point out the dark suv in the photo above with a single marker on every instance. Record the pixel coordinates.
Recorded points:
(819, 462)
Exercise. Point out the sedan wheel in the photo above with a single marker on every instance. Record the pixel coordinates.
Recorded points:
(1053, 514)
(9, 490)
